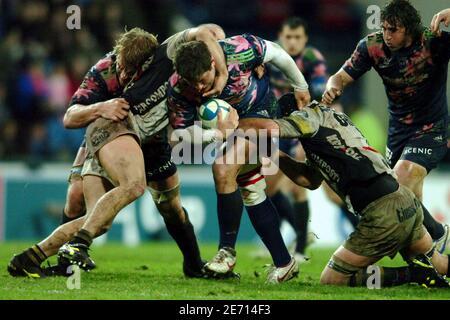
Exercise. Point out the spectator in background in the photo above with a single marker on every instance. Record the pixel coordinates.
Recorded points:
(42, 69)
(61, 142)
(4, 112)
(8, 128)
(38, 147)
(30, 90)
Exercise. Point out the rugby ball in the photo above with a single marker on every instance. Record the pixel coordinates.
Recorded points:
(209, 112)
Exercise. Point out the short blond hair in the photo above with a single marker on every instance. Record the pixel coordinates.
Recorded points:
(134, 47)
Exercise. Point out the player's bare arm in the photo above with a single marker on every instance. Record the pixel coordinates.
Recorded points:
(335, 86)
(299, 172)
(440, 17)
(216, 30)
(79, 116)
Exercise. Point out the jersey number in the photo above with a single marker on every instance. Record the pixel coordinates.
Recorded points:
(342, 119)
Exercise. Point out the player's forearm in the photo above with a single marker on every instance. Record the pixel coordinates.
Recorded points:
(335, 82)
(339, 80)
(283, 61)
(79, 116)
(209, 36)
(299, 172)
(216, 30)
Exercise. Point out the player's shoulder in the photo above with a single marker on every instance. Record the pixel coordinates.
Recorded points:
(308, 119)
(175, 81)
(106, 63)
(374, 39)
(312, 112)
(374, 45)
(242, 42)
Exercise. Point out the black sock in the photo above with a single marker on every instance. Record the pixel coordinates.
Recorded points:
(395, 276)
(229, 213)
(65, 218)
(83, 237)
(354, 219)
(184, 236)
(284, 207)
(34, 255)
(265, 220)
(390, 277)
(301, 225)
(434, 228)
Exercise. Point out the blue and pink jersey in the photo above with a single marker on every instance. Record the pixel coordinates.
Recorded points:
(414, 77)
(100, 83)
(243, 90)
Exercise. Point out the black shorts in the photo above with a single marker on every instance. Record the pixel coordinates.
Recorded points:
(425, 145)
(157, 157)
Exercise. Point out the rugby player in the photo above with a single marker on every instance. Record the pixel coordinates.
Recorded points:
(122, 100)
(74, 206)
(253, 100)
(391, 215)
(413, 62)
(293, 37)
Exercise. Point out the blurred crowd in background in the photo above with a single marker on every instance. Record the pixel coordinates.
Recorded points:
(43, 62)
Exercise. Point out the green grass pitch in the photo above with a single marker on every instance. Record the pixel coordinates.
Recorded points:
(153, 271)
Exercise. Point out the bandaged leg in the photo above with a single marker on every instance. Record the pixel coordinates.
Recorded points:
(165, 195)
(262, 213)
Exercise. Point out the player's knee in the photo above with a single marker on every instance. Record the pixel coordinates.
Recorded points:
(74, 206)
(253, 191)
(328, 277)
(135, 189)
(219, 172)
(223, 175)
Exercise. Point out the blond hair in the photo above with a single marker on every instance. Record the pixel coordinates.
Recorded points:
(134, 47)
